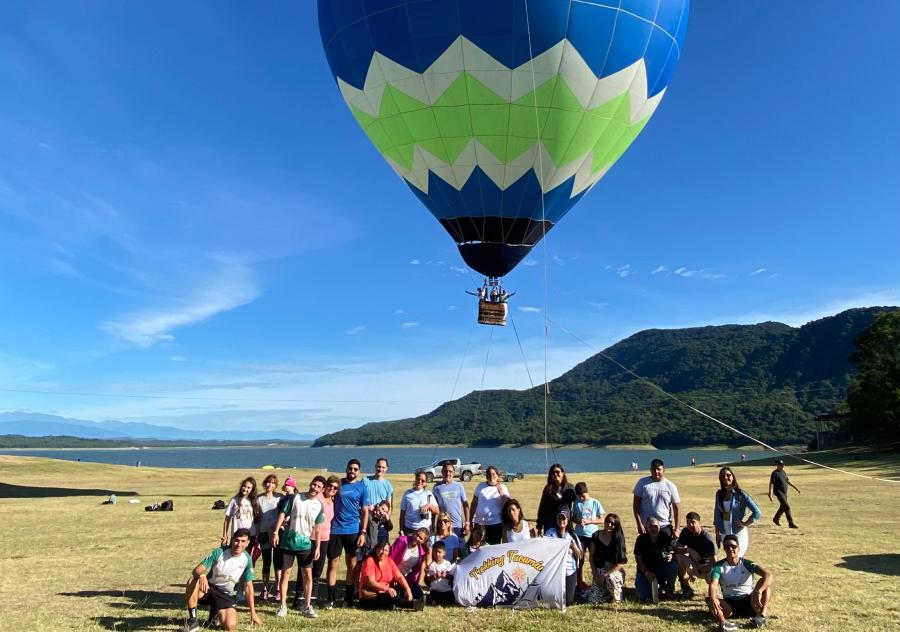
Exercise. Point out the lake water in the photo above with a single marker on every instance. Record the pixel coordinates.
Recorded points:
(525, 460)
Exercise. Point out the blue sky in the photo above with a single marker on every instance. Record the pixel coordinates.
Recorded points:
(192, 226)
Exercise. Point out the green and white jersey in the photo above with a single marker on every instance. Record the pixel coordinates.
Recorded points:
(305, 513)
(224, 569)
(735, 581)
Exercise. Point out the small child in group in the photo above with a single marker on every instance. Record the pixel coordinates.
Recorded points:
(587, 514)
(439, 576)
(379, 518)
(565, 531)
(476, 539)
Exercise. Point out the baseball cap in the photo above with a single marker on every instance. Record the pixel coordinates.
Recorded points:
(290, 482)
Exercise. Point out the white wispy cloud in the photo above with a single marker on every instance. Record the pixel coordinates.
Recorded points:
(414, 262)
(459, 270)
(232, 286)
(702, 273)
(597, 305)
(451, 308)
(398, 312)
(529, 263)
(177, 358)
(625, 271)
(757, 271)
(356, 330)
(659, 269)
(409, 325)
(528, 309)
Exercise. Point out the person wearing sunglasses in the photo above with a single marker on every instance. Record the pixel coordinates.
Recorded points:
(348, 529)
(444, 533)
(741, 597)
(557, 494)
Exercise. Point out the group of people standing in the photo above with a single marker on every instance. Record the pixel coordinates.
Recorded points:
(349, 519)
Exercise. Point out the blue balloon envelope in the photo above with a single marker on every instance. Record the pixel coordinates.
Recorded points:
(501, 114)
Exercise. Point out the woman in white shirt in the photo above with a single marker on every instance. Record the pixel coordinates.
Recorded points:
(416, 507)
(515, 527)
(487, 505)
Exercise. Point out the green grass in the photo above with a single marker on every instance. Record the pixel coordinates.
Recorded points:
(73, 564)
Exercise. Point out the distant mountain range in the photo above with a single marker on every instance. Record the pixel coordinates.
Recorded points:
(40, 425)
(768, 380)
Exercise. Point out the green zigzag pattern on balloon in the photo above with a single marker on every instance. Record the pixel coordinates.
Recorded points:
(468, 110)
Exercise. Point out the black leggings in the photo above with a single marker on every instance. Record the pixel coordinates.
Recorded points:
(267, 562)
(443, 597)
(384, 601)
(493, 533)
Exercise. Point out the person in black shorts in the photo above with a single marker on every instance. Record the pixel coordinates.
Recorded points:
(778, 482)
(213, 582)
(695, 553)
(741, 596)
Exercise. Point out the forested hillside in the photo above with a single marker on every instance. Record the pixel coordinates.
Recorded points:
(768, 380)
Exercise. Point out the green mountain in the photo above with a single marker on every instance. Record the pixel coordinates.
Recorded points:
(768, 380)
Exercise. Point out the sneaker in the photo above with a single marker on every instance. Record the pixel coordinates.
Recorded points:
(793, 526)
(191, 625)
(728, 626)
(309, 613)
(778, 524)
(329, 605)
(419, 604)
(264, 595)
(759, 620)
(687, 592)
(282, 611)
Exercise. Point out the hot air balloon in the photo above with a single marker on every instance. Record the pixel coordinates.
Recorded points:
(501, 114)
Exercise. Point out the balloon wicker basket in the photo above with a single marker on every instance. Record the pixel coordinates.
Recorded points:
(490, 313)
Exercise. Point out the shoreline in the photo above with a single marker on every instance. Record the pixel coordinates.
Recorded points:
(394, 446)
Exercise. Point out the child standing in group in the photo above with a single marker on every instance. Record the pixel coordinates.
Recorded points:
(587, 514)
(565, 531)
(439, 576)
(242, 513)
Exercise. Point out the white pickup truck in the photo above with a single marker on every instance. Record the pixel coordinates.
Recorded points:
(464, 471)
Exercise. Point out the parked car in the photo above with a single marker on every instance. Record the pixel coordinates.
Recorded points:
(464, 471)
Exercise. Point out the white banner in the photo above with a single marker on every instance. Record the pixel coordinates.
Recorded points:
(526, 574)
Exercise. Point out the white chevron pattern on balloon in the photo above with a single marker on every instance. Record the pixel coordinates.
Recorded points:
(561, 60)
(508, 83)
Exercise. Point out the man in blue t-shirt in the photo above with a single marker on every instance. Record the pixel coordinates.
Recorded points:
(452, 500)
(348, 530)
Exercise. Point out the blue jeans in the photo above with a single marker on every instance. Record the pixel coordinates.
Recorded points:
(665, 576)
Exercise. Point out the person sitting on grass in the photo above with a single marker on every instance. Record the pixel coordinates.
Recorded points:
(382, 585)
(439, 576)
(653, 552)
(740, 597)
(410, 554)
(515, 527)
(476, 539)
(608, 559)
(213, 583)
(695, 553)
(444, 534)
(565, 530)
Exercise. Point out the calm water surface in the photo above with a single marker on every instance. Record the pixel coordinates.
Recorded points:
(526, 460)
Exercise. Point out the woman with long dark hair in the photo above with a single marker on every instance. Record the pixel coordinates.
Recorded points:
(487, 504)
(565, 530)
(242, 513)
(730, 512)
(558, 493)
(515, 527)
(608, 559)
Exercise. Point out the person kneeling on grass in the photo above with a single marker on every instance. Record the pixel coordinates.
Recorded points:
(213, 580)
(439, 576)
(382, 585)
(740, 597)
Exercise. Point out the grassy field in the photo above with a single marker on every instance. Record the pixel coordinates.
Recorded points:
(72, 564)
